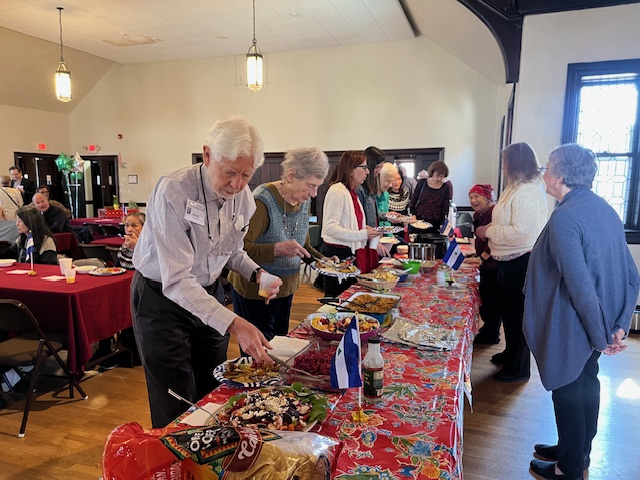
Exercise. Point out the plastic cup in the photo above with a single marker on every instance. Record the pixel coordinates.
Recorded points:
(266, 282)
(65, 264)
(373, 243)
(70, 275)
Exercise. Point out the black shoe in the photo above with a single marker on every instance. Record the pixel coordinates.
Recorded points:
(507, 378)
(485, 339)
(550, 452)
(498, 359)
(547, 470)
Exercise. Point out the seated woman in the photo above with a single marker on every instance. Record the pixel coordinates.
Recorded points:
(133, 224)
(29, 221)
(344, 231)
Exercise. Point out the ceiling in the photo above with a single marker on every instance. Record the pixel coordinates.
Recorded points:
(186, 29)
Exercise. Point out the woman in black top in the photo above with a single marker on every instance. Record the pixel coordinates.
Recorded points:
(430, 200)
(30, 221)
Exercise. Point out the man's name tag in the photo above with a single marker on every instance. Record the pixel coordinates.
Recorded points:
(195, 212)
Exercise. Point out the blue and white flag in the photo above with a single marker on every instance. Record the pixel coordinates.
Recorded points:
(445, 229)
(345, 364)
(454, 256)
(30, 246)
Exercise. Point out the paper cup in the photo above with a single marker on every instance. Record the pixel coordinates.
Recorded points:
(266, 282)
(70, 275)
(373, 243)
(65, 264)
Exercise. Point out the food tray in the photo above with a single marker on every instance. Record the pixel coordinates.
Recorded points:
(379, 316)
(219, 371)
(425, 336)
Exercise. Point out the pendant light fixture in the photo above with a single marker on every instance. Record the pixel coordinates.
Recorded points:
(254, 60)
(63, 76)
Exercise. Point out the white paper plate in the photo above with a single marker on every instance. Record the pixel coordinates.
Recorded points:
(84, 269)
(6, 262)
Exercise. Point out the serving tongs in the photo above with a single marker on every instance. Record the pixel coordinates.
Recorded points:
(284, 364)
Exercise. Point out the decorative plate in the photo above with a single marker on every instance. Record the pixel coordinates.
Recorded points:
(241, 372)
(294, 408)
(340, 270)
(108, 271)
(388, 229)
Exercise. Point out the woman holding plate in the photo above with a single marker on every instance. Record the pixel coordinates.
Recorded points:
(278, 237)
(344, 231)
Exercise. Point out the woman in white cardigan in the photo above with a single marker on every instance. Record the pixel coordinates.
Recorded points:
(518, 218)
(344, 230)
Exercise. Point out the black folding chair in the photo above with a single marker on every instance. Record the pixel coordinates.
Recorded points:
(94, 230)
(96, 251)
(29, 347)
(108, 231)
(113, 253)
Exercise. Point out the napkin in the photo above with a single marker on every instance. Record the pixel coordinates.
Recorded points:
(54, 278)
(198, 418)
(19, 272)
(286, 347)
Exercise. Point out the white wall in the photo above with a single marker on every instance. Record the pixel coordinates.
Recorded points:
(393, 95)
(549, 43)
(22, 129)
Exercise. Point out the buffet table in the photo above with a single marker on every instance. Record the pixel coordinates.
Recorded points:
(415, 430)
(89, 310)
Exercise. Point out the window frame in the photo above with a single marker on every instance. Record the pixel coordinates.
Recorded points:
(575, 73)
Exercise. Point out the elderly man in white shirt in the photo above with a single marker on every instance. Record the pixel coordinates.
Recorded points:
(197, 217)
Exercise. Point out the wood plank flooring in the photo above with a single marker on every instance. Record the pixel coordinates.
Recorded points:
(64, 438)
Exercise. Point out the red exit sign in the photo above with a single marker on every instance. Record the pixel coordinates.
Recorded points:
(41, 146)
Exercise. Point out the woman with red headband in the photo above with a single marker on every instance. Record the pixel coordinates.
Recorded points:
(481, 200)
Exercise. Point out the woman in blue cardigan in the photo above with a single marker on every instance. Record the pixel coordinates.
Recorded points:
(580, 293)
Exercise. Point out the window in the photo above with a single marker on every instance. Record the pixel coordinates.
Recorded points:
(602, 113)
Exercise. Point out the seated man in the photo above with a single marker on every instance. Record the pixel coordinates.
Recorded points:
(44, 190)
(54, 217)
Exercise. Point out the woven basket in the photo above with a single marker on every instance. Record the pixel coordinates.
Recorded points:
(377, 285)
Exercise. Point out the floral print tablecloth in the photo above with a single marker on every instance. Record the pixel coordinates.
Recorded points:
(415, 431)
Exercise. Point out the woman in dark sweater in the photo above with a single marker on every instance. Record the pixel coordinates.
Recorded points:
(430, 201)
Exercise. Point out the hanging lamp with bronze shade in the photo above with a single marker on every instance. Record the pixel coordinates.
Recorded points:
(63, 75)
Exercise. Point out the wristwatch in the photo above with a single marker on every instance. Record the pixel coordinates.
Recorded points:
(254, 275)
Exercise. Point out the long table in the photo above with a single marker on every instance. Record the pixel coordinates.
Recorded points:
(415, 431)
(89, 310)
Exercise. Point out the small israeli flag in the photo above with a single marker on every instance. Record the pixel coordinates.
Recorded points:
(454, 256)
(30, 247)
(345, 365)
(445, 229)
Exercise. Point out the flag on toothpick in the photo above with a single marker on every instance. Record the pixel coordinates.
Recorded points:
(30, 247)
(445, 229)
(345, 364)
(454, 256)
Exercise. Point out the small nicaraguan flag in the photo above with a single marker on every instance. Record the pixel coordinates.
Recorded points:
(345, 364)
(30, 246)
(454, 256)
(445, 229)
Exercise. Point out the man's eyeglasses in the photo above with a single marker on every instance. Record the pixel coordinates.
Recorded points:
(364, 167)
(543, 169)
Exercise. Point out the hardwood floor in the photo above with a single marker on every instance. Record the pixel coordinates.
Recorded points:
(64, 438)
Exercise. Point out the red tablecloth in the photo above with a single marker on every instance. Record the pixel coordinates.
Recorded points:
(89, 310)
(100, 221)
(67, 244)
(415, 431)
(109, 242)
